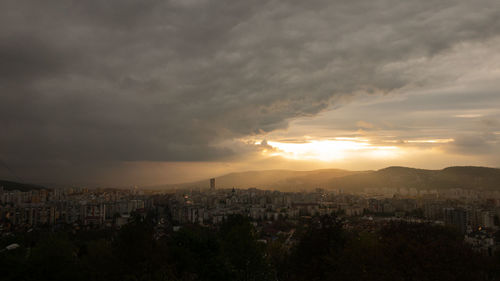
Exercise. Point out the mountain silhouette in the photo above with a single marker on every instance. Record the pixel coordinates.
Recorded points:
(466, 177)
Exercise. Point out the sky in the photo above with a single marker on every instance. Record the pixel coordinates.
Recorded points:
(124, 92)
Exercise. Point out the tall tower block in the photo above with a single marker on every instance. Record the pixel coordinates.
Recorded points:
(212, 184)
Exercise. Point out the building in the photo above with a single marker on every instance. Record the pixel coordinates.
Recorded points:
(456, 217)
(212, 184)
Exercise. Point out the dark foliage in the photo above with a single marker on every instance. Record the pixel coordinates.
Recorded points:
(323, 251)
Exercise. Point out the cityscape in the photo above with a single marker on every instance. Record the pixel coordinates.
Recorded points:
(475, 214)
(269, 140)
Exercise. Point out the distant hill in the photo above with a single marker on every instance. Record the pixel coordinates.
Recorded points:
(270, 179)
(393, 177)
(451, 177)
(11, 185)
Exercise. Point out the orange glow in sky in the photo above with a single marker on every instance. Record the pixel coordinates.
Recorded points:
(331, 150)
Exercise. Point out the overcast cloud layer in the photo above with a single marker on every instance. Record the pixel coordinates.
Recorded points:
(88, 83)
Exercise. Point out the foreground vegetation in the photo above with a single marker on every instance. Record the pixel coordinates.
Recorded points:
(324, 251)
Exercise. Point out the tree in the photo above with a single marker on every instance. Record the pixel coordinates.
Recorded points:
(243, 254)
(319, 249)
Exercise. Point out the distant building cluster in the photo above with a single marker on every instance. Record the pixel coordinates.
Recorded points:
(473, 213)
(81, 206)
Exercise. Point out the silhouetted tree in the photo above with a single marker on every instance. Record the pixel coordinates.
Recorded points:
(243, 254)
(319, 249)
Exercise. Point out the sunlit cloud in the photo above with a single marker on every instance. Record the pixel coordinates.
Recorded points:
(431, 141)
(364, 124)
(468, 115)
(332, 150)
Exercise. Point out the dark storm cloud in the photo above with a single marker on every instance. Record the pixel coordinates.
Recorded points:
(474, 145)
(173, 80)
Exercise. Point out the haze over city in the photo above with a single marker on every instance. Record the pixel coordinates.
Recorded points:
(157, 92)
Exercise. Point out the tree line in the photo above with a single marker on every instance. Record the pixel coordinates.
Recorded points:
(324, 250)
